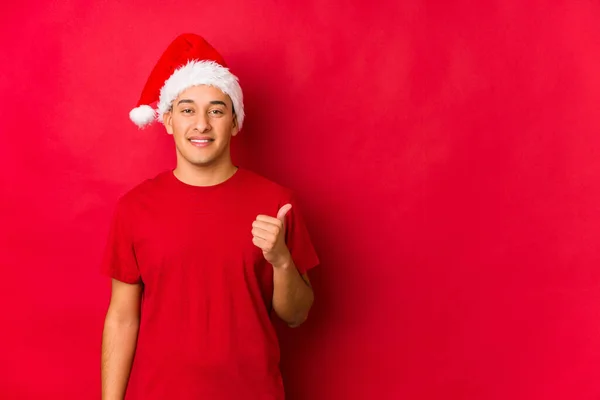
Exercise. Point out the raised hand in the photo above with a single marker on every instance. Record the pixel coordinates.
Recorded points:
(268, 234)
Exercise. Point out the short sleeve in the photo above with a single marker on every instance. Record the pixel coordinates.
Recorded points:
(119, 261)
(298, 239)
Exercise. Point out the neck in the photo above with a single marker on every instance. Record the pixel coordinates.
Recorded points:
(208, 175)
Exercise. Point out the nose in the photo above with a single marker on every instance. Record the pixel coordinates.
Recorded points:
(202, 123)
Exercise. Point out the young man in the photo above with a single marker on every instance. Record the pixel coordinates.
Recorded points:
(200, 255)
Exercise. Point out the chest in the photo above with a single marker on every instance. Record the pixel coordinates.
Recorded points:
(179, 243)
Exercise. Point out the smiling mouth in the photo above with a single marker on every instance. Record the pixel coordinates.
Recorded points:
(201, 142)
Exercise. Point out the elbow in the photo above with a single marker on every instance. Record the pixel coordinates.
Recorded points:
(116, 318)
(302, 314)
(297, 321)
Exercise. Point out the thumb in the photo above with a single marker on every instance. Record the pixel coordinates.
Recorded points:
(282, 212)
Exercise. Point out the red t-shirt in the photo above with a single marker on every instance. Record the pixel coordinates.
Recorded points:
(205, 330)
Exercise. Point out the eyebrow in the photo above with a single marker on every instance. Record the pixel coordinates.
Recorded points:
(185, 101)
(214, 102)
(218, 102)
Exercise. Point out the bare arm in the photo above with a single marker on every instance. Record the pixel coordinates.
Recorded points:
(292, 295)
(119, 338)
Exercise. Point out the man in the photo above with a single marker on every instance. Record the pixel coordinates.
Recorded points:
(199, 256)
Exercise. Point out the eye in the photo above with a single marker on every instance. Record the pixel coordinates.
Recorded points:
(187, 111)
(215, 112)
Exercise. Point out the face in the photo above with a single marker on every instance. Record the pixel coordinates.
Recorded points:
(202, 123)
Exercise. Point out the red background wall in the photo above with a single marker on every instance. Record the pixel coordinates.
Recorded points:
(446, 156)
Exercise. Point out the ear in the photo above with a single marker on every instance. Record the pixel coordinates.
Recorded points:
(234, 128)
(168, 121)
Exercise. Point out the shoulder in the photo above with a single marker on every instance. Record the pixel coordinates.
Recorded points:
(256, 182)
(150, 188)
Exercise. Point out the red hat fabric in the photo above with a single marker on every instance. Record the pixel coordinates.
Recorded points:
(188, 61)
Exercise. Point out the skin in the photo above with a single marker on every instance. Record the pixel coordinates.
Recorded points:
(119, 338)
(202, 112)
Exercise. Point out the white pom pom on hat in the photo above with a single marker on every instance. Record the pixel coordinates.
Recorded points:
(142, 115)
(188, 61)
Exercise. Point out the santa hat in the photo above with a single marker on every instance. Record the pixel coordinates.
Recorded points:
(188, 61)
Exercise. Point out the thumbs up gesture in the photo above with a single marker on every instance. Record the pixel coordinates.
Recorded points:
(268, 234)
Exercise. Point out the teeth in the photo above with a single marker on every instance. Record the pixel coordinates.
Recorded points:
(200, 140)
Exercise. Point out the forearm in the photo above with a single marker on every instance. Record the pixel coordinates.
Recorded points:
(119, 341)
(292, 296)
